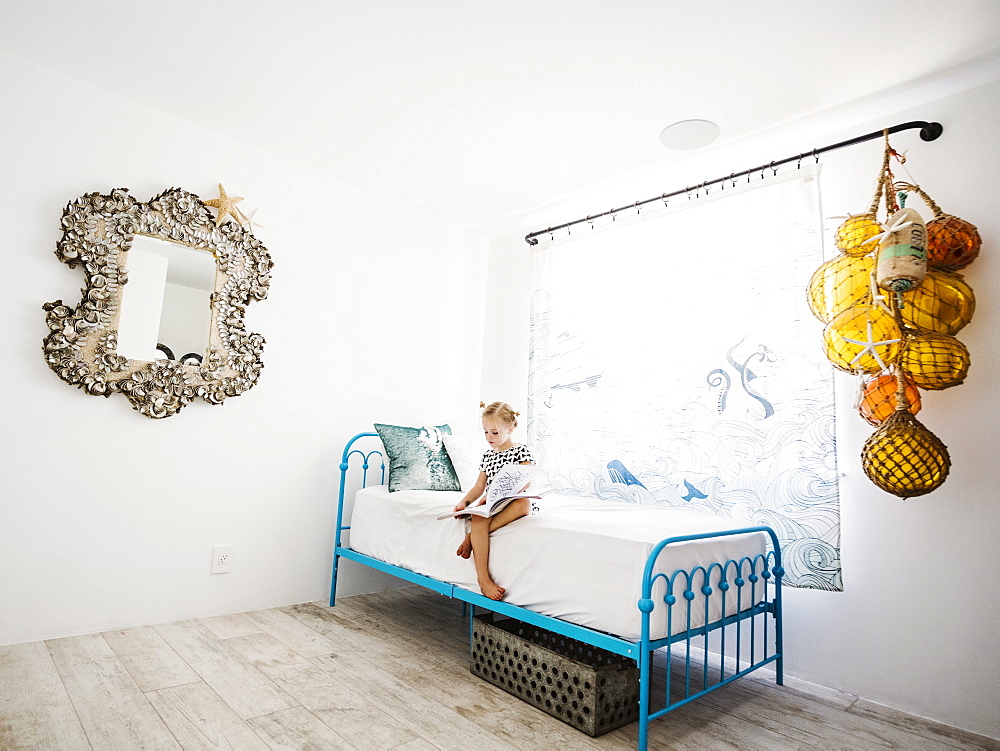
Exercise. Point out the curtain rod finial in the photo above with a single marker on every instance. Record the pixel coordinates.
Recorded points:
(931, 131)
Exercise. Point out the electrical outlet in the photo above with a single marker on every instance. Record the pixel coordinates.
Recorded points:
(222, 559)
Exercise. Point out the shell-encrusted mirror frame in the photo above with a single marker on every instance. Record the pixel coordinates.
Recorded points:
(82, 344)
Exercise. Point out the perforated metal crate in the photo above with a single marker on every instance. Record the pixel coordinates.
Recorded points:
(589, 688)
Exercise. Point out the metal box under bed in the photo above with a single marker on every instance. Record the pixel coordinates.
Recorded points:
(701, 656)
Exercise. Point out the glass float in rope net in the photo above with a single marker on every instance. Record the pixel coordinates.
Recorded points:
(839, 284)
(935, 361)
(879, 398)
(854, 236)
(943, 304)
(952, 243)
(864, 339)
(905, 458)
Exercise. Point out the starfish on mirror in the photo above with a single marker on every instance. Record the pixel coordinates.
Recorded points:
(226, 207)
(869, 346)
(247, 219)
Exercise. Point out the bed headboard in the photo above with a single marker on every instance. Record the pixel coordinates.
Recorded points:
(359, 450)
(364, 447)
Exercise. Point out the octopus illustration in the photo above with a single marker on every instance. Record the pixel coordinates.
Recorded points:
(720, 377)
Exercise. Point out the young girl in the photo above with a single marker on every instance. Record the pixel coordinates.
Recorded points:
(499, 421)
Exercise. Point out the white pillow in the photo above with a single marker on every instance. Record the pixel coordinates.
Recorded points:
(466, 455)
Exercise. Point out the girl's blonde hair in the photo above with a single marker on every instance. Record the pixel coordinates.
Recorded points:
(502, 411)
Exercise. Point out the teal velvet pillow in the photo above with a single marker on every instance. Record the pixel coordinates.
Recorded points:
(418, 459)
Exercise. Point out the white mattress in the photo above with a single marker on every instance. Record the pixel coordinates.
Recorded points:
(579, 559)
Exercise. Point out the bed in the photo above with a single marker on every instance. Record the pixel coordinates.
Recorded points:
(667, 579)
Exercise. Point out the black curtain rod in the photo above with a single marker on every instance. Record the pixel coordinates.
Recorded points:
(928, 132)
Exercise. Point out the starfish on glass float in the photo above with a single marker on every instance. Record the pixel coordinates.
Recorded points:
(226, 206)
(870, 346)
(876, 292)
(890, 229)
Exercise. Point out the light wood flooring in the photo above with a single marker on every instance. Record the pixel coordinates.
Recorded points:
(381, 671)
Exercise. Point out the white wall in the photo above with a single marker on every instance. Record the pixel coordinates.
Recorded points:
(107, 518)
(916, 625)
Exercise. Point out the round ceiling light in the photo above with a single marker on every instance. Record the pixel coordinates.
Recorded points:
(689, 134)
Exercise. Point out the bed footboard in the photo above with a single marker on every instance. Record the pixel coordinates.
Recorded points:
(723, 621)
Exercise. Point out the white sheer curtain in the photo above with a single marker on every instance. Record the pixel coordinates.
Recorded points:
(674, 360)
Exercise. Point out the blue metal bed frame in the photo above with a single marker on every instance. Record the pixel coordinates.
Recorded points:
(685, 590)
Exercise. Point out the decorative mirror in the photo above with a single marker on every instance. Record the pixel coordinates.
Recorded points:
(175, 332)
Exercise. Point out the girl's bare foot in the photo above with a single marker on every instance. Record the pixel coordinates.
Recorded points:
(465, 549)
(492, 590)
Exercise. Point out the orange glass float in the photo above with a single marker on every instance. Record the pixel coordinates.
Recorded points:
(952, 243)
(944, 303)
(862, 339)
(839, 284)
(854, 236)
(878, 398)
(935, 361)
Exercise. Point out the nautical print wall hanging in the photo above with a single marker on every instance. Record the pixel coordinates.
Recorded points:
(673, 361)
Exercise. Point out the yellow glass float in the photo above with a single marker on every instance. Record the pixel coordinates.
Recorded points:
(854, 236)
(905, 458)
(862, 339)
(935, 361)
(839, 284)
(879, 397)
(944, 303)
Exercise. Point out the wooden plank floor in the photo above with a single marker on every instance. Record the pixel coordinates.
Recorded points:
(381, 671)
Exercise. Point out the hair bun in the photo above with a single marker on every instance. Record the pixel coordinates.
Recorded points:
(502, 411)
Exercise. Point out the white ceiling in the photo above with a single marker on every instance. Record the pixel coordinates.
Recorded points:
(477, 111)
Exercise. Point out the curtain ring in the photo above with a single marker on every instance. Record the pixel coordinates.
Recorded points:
(816, 156)
(666, 200)
(591, 221)
(774, 169)
(732, 176)
(706, 186)
(614, 215)
(799, 164)
(638, 208)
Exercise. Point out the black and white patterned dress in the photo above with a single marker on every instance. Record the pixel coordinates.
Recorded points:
(493, 461)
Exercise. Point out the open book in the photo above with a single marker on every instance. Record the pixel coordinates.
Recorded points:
(508, 485)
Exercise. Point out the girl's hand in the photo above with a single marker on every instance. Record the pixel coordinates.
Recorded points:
(462, 505)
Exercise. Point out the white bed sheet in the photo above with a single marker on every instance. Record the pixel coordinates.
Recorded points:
(579, 559)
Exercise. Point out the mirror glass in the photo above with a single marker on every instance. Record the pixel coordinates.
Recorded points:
(166, 305)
